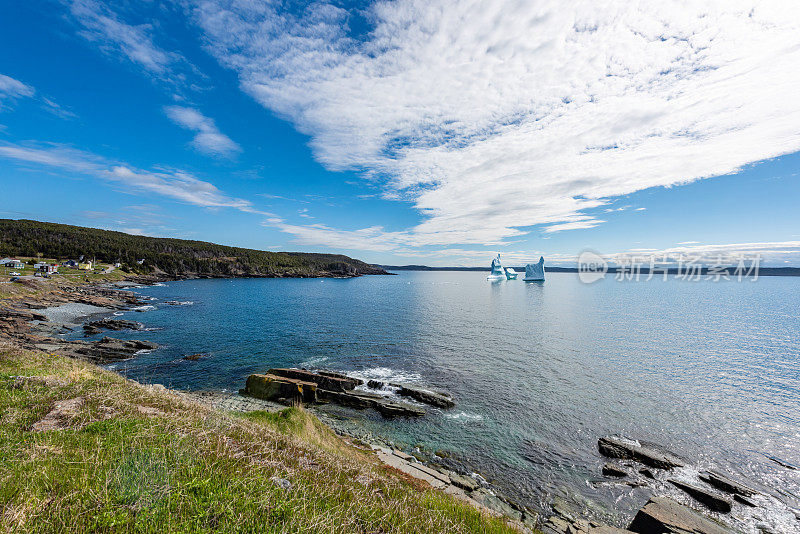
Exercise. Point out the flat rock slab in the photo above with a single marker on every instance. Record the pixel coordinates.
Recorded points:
(428, 397)
(715, 502)
(726, 484)
(611, 470)
(272, 387)
(324, 381)
(643, 452)
(664, 516)
(61, 416)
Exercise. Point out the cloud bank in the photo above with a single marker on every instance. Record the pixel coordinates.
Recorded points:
(496, 116)
(208, 139)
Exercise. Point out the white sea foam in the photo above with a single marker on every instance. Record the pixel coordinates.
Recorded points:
(464, 417)
(146, 307)
(386, 374)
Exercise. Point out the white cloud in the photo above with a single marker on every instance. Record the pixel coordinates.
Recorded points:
(174, 184)
(208, 139)
(491, 116)
(11, 89)
(134, 42)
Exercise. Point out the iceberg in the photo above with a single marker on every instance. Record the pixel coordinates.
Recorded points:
(497, 272)
(535, 271)
(511, 274)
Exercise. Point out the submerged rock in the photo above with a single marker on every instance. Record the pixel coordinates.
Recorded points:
(646, 453)
(715, 502)
(426, 396)
(375, 384)
(662, 515)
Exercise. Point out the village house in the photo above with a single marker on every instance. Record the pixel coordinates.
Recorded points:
(46, 268)
(87, 266)
(11, 263)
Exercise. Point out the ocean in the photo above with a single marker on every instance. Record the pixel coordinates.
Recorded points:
(539, 371)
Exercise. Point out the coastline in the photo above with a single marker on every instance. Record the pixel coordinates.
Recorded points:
(98, 298)
(32, 322)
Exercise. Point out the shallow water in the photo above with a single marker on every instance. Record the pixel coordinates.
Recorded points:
(539, 370)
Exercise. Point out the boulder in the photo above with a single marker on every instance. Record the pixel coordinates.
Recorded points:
(332, 383)
(375, 384)
(715, 502)
(662, 516)
(271, 387)
(726, 484)
(611, 470)
(643, 452)
(427, 397)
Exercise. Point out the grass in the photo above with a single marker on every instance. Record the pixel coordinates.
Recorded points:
(133, 458)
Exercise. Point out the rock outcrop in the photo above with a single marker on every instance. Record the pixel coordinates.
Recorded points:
(664, 516)
(428, 397)
(726, 484)
(642, 452)
(329, 381)
(715, 502)
(301, 385)
(273, 387)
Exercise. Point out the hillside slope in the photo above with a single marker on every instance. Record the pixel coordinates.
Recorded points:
(85, 450)
(174, 257)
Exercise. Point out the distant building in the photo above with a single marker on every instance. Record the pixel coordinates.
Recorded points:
(87, 266)
(11, 263)
(141, 262)
(117, 265)
(70, 263)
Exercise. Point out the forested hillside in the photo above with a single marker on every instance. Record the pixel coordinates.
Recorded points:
(176, 257)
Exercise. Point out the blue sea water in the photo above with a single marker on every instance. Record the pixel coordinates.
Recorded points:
(539, 370)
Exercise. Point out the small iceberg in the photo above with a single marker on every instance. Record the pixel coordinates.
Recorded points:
(534, 272)
(497, 272)
(511, 274)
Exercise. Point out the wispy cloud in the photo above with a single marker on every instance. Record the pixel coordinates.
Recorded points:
(174, 184)
(209, 139)
(11, 89)
(134, 42)
(492, 117)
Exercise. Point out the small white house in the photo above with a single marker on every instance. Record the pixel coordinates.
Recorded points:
(140, 262)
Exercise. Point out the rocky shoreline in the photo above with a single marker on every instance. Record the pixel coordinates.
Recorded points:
(713, 500)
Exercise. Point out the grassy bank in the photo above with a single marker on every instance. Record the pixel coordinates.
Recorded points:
(82, 449)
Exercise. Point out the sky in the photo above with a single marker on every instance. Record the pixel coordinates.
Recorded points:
(436, 132)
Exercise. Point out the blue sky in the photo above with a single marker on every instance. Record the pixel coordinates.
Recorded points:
(408, 132)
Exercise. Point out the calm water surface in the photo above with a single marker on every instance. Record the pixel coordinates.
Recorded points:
(539, 370)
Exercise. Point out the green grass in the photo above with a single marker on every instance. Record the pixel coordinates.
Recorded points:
(140, 459)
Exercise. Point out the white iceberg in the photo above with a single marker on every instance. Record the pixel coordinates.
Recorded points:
(511, 274)
(534, 272)
(497, 272)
